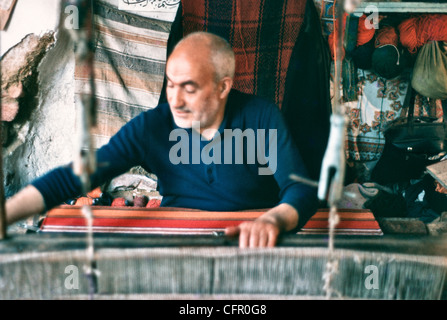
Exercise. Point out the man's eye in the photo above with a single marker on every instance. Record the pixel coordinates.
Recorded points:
(170, 85)
(190, 89)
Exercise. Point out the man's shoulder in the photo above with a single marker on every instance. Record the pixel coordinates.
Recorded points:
(152, 120)
(252, 107)
(249, 100)
(250, 104)
(161, 110)
(157, 114)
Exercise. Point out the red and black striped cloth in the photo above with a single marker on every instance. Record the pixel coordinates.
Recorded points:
(262, 34)
(176, 221)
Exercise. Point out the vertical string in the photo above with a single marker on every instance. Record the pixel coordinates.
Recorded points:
(2, 188)
(90, 270)
(332, 263)
(85, 163)
(338, 110)
(90, 112)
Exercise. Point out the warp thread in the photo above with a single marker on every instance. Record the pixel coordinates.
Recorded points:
(332, 263)
(290, 272)
(90, 269)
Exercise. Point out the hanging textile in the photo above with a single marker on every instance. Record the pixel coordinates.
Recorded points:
(129, 66)
(307, 105)
(262, 34)
(380, 101)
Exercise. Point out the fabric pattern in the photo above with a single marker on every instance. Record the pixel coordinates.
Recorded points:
(326, 9)
(380, 102)
(426, 107)
(129, 63)
(262, 34)
(174, 221)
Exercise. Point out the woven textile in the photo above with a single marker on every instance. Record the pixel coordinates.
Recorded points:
(191, 222)
(129, 63)
(262, 34)
(352, 222)
(380, 101)
(222, 273)
(326, 10)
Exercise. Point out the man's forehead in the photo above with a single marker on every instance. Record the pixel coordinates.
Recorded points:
(182, 80)
(181, 69)
(180, 73)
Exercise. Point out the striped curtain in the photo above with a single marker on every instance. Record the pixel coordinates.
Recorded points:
(129, 67)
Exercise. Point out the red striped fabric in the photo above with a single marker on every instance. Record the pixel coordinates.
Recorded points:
(262, 34)
(187, 221)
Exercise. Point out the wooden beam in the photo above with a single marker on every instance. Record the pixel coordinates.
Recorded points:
(404, 7)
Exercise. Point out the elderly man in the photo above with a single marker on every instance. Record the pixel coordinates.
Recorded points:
(206, 168)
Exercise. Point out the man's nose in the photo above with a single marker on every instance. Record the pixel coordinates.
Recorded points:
(175, 98)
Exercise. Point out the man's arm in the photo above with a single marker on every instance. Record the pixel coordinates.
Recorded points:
(53, 188)
(24, 204)
(264, 231)
(298, 202)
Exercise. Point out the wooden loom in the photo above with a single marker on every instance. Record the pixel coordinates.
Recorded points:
(212, 267)
(208, 266)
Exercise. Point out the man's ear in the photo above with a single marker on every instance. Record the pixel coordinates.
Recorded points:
(225, 87)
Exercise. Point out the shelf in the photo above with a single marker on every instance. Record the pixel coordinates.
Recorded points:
(404, 7)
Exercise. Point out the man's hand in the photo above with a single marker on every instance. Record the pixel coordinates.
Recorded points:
(264, 231)
(253, 234)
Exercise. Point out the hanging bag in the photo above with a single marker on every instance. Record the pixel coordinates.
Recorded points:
(411, 143)
(430, 71)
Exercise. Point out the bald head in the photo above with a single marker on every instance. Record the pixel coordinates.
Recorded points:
(204, 46)
(199, 76)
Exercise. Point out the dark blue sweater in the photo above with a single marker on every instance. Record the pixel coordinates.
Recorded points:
(225, 186)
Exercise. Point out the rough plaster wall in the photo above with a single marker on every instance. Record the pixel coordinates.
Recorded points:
(30, 16)
(49, 136)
